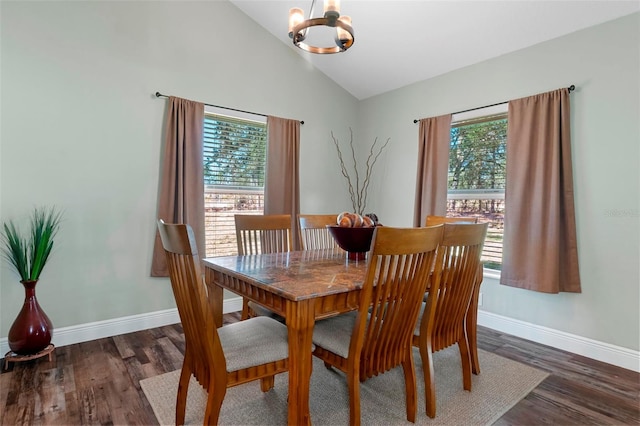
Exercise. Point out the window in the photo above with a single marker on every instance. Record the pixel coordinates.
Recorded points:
(234, 170)
(477, 174)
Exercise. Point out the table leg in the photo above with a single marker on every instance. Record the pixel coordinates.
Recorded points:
(300, 320)
(215, 296)
(472, 323)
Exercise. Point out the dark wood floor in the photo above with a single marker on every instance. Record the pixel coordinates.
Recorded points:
(97, 382)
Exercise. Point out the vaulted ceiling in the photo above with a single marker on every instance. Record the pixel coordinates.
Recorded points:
(401, 42)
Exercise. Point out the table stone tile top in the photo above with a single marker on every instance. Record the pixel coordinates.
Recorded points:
(291, 275)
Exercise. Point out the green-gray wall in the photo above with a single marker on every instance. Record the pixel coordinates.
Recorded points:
(603, 63)
(79, 128)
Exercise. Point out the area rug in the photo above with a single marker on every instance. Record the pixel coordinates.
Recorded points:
(501, 384)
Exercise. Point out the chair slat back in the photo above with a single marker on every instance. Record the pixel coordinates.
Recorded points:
(258, 234)
(314, 233)
(399, 268)
(439, 220)
(454, 277)
(203, 347)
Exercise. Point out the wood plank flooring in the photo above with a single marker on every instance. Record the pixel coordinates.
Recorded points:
(97, 382)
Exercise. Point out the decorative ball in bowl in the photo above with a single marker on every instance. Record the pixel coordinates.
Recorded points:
(355, 241)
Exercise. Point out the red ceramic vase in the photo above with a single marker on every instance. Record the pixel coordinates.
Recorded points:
(31, 330)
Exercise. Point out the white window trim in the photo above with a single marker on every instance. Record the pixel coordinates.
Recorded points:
(480, 112)
(232, 115)
(235, 114)
(491, 273)
(470, 115)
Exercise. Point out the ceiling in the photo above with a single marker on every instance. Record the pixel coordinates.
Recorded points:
(400, 42)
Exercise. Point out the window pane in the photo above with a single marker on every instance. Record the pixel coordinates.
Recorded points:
(234, 168)
(489, 211)
(234, 152)
(477, 157)
(476, 180)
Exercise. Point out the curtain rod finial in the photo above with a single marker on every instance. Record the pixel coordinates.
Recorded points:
(158, 94)
(572, 88)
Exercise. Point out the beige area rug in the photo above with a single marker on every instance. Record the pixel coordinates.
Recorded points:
(501, 384)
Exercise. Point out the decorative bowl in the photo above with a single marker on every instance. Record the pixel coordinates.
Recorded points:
(355, 241)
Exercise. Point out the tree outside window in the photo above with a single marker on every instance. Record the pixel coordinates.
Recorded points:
(476, 179)
(234, 173)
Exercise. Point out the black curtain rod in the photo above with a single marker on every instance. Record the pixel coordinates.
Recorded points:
(570, 88)
(160, 95)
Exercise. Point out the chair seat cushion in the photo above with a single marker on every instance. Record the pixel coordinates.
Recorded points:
(416, 331)
(253, 342)
(334, 334)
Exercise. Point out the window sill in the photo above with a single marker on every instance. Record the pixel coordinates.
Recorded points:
(491, 273)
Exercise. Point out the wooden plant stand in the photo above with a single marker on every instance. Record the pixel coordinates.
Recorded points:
(14, 357)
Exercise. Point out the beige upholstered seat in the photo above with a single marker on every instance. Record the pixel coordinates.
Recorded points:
(314, 233)
(262, 234)
(378, 336)
(443, 316)
(217, 358)
(472, 314)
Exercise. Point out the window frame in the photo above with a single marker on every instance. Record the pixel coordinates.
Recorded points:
(220, 189)
(468, 117)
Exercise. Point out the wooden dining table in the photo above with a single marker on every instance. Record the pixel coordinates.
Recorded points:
(301, 286)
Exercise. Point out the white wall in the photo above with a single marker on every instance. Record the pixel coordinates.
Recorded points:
(81, 129)
(603, 63)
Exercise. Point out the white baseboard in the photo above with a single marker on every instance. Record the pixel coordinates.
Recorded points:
(97, 330)
(605, 352)
(611, 354)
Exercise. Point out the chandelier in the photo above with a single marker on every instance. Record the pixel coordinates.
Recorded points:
(299, 28)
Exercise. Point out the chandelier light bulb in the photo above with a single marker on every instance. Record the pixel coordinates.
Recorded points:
(332, 6)
(343, 35)
(296, 16)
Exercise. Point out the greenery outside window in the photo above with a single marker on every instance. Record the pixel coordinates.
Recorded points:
(234, 172)
(477, 175)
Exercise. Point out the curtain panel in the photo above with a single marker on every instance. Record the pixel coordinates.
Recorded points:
(540, 245)
(282, 180)
(181, 192)
(433, 167)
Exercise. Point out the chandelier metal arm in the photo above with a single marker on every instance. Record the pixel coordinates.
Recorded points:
(299, 31)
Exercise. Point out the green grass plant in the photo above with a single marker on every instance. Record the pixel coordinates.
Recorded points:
(29, 253)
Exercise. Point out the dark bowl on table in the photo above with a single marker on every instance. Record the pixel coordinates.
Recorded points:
(355, 241)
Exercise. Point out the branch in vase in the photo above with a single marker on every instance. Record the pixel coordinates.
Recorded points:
(359, 194)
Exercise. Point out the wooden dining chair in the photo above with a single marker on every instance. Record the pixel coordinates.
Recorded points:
(472, 314)
(433, 220)
(442, 320)
(314, 233)
(378, 336)
(258, 234)
(217, 357)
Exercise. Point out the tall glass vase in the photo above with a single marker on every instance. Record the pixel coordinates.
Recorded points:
(31, 330)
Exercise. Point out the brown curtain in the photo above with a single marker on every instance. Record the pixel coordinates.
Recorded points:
(433, 167)
(282, 181)
(540, 247)
(181, 196)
